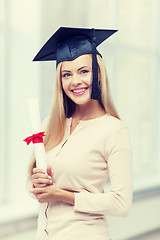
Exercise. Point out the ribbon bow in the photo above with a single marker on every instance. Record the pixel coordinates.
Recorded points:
(35, 138)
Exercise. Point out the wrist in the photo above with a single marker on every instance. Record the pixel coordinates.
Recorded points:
(65, 196)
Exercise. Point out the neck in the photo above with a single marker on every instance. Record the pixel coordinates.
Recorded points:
(88, 111)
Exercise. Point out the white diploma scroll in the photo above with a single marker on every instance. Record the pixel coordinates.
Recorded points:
(39, 149)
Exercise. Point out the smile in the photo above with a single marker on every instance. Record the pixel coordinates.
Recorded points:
(79, 92)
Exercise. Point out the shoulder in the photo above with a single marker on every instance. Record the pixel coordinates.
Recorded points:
(115, 131)
(117, 136)
(113, 124)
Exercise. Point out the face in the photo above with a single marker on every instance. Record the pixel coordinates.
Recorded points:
(76, 78)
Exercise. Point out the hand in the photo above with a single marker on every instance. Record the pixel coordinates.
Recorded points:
(46, 194)
(40, 179)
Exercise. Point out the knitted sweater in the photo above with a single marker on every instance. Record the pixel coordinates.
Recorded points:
(95, 154)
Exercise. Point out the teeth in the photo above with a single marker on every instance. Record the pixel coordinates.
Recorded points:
(77, 91)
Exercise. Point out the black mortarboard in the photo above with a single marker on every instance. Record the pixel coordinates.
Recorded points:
(67, 44)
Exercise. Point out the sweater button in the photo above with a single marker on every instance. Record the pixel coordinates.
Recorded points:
(46, 231)
(46, 214)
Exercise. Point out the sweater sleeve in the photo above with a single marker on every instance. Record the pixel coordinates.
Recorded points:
(117, 201)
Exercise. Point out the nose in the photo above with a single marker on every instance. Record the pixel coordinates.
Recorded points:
(76, 80)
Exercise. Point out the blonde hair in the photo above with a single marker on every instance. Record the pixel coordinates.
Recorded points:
(63, 107)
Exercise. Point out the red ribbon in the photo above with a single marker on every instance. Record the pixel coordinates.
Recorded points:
(35, 138)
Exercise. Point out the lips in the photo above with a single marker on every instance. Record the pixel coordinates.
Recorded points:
(79, 91)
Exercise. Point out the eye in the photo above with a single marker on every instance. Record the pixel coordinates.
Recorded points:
(66, 75)
(84, 71)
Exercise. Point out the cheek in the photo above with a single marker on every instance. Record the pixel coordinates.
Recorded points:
(65, 85)
(88, 79)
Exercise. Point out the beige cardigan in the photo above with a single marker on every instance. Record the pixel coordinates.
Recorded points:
(97, 152)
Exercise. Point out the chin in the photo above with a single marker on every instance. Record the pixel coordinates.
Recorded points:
(81, 102)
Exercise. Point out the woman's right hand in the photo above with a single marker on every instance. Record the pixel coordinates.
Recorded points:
(40, 179)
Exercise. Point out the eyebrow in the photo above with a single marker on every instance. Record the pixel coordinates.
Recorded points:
(78, 69)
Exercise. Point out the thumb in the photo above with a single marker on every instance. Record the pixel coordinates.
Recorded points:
(49, 171)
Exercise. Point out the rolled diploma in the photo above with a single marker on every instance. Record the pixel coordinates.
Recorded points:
(39, 149)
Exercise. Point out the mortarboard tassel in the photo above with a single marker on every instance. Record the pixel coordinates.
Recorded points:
(95, 91)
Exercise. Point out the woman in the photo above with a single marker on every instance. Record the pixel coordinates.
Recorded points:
(86, 144)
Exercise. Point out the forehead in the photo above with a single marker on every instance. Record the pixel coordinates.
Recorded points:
(83, 60)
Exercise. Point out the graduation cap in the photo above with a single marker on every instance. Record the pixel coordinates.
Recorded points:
(67, 43)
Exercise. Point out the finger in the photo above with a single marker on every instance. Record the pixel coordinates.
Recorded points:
(40, 185)
(40, 175)
(36, 191)
(50, 171)
(42, 181)
(38, 170)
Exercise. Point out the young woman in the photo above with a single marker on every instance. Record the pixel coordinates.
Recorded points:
(86, 144)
